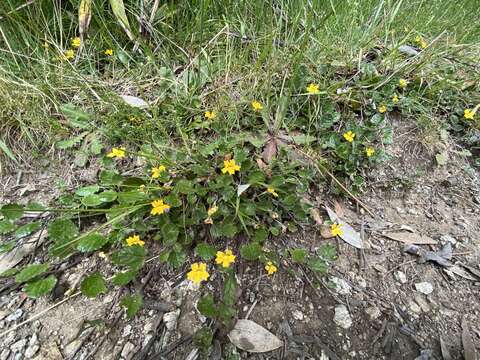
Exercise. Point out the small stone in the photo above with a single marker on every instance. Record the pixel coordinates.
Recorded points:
(127, 330)
(424, 287)
(19, 345)
(31, 351)
(298, 315)
(127, 349)
(170, 319)
(400, 276)
(361, 282)
(341, 286)
(415, 308)
(17, 314)
(444, 239)
(374, 312)
(422, 303)
(342, 317)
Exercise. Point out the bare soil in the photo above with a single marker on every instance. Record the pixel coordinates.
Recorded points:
(390, 317)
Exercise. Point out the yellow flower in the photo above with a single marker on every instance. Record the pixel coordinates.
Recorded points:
(403, 83)
(230, 166)
(272, 191)
(212, 210)
(108, 52)
(382, 109)
(225, 258)
(76, 42)
(313, 89)
(336, 229)
(257, 106)
(369, 151)
(198, 273)
(159, 207)
(141, 188)
(395, 99)
(349, 136)
(469, 114)
(69, 54)
(210, 115)
(270, 268)
(135, 240)
(156, 171)
(422, 43)
(117, 153)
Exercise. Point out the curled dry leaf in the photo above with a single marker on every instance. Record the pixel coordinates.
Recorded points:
(350, 236)
(270, 150)
(410, 238)
(249, 336)
(262, 165)
(84, 16)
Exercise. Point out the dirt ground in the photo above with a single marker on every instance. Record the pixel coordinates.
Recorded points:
(369, 306)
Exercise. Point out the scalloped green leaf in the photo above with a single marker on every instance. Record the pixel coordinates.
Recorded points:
(87, 190)
(35, 289)
(205, 251)
(30, 272)
(27, 229)
(132, 257)
(12, 211)
(93, 285)
(124, 277)
(132, 303)
(91, 242)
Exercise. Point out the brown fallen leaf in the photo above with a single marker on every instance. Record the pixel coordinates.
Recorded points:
(457, 270)
(410, 238)
(261, 164)
(338, 208)
(315, 214)
(326, 232)
(469, 351)
(270, 150)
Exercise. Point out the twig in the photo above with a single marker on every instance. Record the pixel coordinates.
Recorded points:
(172, 347)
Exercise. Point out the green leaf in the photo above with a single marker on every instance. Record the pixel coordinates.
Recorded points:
(27, 229)
(251, 251)
(87, 190)
(12, 211)
(118, 9)
(132, 303)
(207, 307)
(184, 187)
(108, 196)
(9, 272)
(124, 277)
(260, 235)
(169, 234)
(317, 264)
(328, 252)
(229, 289)
(298, 255)
(108, 177)
(132, 197)
(62, 232)
(6, 226)
(173, 200)
(35, 289)
(7, 246)
(76, 118)
(225, 313)
(92, 200)
(130, 256)
(205, 251)
(91, 242)
(177, 258)
(69, 143)
(93, 285)
(4, 148)
(30, 272)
